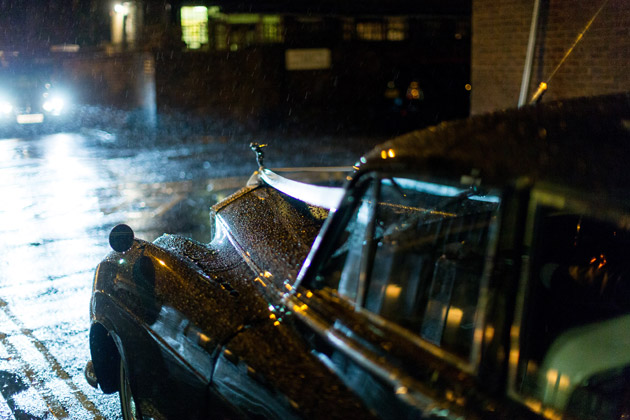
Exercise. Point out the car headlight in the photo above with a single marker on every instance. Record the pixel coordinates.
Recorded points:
(5, 107)
(54, 104)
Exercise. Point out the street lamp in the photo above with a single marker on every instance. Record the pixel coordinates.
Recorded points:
(120, 17)
(121, 9)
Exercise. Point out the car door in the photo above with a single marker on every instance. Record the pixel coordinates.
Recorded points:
(573, 311)
(400, 297)
(170, 355)
(186, 298)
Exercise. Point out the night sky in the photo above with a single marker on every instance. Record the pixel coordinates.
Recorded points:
(32, 25)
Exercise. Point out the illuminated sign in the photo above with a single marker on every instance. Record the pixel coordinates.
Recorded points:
(308, 59)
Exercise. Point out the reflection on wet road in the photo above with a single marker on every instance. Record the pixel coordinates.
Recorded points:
(60, 196)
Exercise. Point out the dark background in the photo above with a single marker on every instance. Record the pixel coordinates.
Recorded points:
(252, 87)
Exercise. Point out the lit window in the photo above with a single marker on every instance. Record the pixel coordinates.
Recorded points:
(194, 26)
(242, 30)
(370, 31)
(396, 29)
(272, 29)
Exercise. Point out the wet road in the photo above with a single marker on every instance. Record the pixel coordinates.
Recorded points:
(60, 194)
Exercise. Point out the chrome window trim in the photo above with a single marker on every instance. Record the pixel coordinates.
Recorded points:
(326, 197)
(453, 359)
(539, 196)
(402, 384)
(349, 198)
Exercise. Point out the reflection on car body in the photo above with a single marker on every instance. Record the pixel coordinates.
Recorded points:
(473, 270)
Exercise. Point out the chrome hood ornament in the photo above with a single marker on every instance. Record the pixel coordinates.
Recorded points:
(260, 155)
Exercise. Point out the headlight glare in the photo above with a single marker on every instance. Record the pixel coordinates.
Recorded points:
(5, 107)
(54, 105)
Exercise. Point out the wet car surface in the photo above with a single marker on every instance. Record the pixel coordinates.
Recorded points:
(475, 269)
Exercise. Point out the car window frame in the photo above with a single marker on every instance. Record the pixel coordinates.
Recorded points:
(550, 196)
(333, 227)
(366, 182)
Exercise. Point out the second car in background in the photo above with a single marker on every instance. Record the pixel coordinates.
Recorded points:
(29, 96)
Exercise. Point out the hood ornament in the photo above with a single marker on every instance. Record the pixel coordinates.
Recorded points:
(258, 149)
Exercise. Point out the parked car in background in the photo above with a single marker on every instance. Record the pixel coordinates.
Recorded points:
(477, 269)
(29, 95)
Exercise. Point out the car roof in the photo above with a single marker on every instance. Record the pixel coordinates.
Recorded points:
(583, 143)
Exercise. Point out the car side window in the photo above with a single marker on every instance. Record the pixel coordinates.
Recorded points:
(416, 256)
(573, 357)
(343, 268)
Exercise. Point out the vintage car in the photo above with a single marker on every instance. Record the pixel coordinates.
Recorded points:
(479, 269)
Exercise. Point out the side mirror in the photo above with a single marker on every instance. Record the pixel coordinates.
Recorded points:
(121, 238)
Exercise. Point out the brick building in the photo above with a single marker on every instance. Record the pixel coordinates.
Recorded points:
(599, 63)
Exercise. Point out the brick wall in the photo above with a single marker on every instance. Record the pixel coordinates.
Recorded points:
(599, 64)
